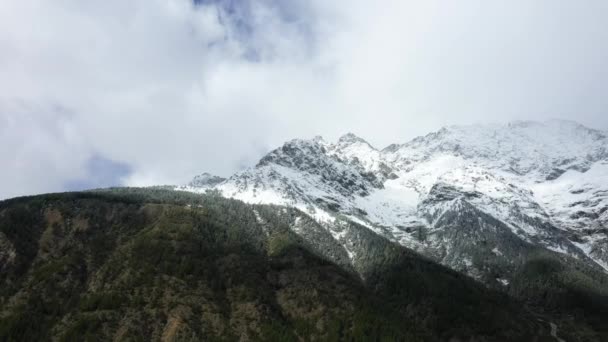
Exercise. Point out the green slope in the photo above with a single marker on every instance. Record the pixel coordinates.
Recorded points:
(153, 264)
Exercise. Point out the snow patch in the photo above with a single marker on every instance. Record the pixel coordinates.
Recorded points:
(505, 282)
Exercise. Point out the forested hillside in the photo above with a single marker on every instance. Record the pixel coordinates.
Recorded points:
(155, 264)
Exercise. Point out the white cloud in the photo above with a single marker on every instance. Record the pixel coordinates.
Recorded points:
(175, 89)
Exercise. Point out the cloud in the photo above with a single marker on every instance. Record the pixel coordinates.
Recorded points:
(172, 88)
(40, 147)
(101, 172)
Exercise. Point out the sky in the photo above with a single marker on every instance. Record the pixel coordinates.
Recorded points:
(145, 92)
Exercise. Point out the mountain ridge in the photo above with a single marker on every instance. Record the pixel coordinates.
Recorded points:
(505, 171)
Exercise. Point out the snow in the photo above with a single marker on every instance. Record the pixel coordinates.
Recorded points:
(575, 202)
(322, 216)
(521, 148)
(575, 191)
(496, 251)
(424, 175)
(339, 233)
(587, 247)
(258, 218)
(505, 282)
(360, 221)
(351, 254)
(351, 147)
(557, 248)
(501, 170)
(390, 206)
(266, 196)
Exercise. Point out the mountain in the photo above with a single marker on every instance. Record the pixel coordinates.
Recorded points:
(476, 233)
(155, 264)
(479, 199)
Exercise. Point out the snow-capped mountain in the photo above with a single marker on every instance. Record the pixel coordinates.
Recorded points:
(476, 198)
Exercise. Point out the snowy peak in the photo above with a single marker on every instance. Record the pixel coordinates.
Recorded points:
(510, 187)
(541, 150)
(350, 153)
(301, 172)
(298, 154)
(351, 138)
(359, 154)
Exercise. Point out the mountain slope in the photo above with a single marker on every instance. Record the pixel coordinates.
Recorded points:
(146, 264)
(542, 184)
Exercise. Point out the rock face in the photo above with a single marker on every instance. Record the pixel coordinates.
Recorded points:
(478, 199)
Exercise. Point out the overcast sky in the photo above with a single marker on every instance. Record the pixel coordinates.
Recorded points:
(141, 92)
